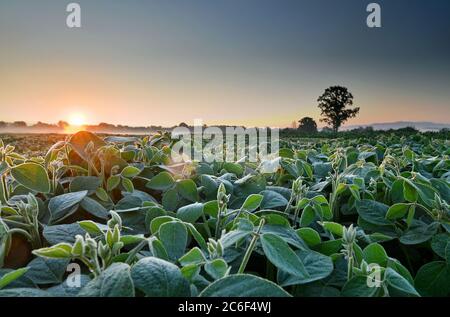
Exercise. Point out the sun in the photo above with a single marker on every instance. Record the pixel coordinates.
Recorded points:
(77, 119)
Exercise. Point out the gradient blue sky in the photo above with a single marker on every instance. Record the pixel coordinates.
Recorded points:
(252, 62)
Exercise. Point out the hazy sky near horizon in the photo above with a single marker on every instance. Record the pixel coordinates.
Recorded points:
(251, 62)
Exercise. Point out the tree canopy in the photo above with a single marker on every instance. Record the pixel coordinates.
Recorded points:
(335, 105)
(307, 125)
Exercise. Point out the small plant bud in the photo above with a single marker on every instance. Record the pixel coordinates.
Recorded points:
(116, 247)
(104, 251)
(211, 249)
(115, 220)
(219, 249)
(91, 245)
(9, 149)
(349, 235)
(109, 238)
(115, 169)
(116, 234)
(364, 267)
(221, 192)
(78, 248)
(296, 185)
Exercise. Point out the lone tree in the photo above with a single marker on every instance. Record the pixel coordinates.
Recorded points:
(307, 125)
(333, 104)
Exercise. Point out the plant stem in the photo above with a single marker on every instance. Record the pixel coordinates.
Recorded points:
(16, 224)
(3, 191)
(350, 268)
(205, 224)
(135, 251)
(21, 232)
(288, 206)
(297, 211)
(250, 248)
(218, 226)
(93, 268)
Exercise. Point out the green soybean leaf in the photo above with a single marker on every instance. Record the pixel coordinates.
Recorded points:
(58, 251)
(397, 211)
(310, 236)
(188, 190)
(333, 227)
(217, 268)
(397, 192)
(81, 183)
(317, 265)
(127, 185)
(234, 168)
(398, 283)
(170, 199)
(94, 208)
(272, 200)
(62, 233)
(174, 235)
(400, 269)
(252, 202)
(32, 176)
(210, 185)
(234, 236)
(410, 191)
(190, 213)
(115, 281)
(375, 253)
(285, 233)
(46, 270)
(243, 285)
(92, 227)
(439, 243)
(102, 194)
(281, 255)
(81, 139)
(307, 217)
(158, 249)
(196, 235)
(10, 277)
(419, 232)
(162, 181)
(64, 205)
(191, 273)
(194, 256)
(130, 172)
(157, 222)
(433, 278)
(159, 278)
(358, 287)
(113, 182)
(373, 212)
(24, 292)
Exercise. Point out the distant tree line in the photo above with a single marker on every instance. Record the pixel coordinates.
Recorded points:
(63, 125)
(102, 127)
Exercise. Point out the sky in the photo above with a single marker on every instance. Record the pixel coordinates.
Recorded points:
(249, 62)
